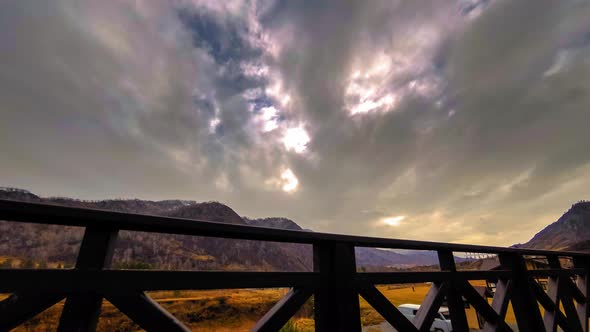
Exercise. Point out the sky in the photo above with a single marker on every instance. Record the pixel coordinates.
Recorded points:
(450, 120)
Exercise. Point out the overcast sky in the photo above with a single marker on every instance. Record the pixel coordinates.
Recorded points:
(463, 120)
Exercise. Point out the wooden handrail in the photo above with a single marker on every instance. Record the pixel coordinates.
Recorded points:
(83, 217)
(335, 282)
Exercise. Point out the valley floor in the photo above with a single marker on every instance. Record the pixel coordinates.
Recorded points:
(233, 310)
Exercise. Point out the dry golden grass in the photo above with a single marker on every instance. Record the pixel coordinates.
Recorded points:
(400, 295)
(17, 262)
(215, 310)
(233, 310)
(43, 322)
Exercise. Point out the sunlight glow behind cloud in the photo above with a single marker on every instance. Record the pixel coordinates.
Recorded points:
(290, 181)
(213, 124)
(296, 139)
(394, 221)
(457, 106)
(269, 117)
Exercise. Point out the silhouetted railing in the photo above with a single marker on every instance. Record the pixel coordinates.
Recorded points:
(335, 282)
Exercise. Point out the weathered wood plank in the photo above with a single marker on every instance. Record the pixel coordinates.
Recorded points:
(528, 315)
(336, 302)
(494, 320)
(502, 297)
(146, 312)
(102, 281)
(567, 299)
(454, 296)
(382, 305)
(81, 310)
(551, 313)
(60, 215)
(334, 278)
(20, 307)
(281, 312)
(429, 308)
(583, 285)
(548, 304)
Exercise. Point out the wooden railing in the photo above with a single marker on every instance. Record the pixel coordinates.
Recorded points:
(334, 282)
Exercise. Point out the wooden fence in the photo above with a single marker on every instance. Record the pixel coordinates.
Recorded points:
(335, 282)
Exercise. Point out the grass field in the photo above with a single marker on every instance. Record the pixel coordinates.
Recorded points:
(218, 310)
(400, 295)
(233, 310)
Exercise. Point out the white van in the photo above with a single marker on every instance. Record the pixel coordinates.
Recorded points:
(442, 322)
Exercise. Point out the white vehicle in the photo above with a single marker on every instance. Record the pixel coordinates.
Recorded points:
(442, 322)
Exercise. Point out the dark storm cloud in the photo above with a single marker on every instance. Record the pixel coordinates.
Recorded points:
(493, 139)
(466, 119)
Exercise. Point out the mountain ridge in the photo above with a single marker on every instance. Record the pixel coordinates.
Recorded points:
(571, 231)
(180, 251)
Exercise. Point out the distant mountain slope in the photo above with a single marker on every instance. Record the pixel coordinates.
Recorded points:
(571, 231)
(371, 257)
(60, 244)
(580, 246)
(209, 211)
(18, 194)
(163, 251)
(282, 223)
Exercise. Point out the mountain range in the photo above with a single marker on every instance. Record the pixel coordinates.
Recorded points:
(570, 232)
(59, 245)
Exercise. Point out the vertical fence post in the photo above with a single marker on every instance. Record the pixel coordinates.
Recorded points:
(524, 302)
(554, 288)
(454, 297)
(583, 283)
(336, 300)
(80, 313)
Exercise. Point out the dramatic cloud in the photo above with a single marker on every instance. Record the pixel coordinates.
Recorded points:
(450, 120)
(394, 221)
